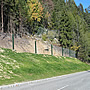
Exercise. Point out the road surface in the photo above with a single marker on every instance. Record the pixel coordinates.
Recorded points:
(75, 81)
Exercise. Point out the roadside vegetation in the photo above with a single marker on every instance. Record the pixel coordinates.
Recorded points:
(20, 67)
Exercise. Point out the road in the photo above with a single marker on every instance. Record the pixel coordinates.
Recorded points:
(75, 81)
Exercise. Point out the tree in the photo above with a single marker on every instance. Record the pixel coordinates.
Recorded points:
(35, 10)
(48, 6)
(21, 11)
(59, 5)
(34, 14)
(2, 13)
(64, 27)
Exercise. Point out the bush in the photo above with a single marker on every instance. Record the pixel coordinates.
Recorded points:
(44, 37)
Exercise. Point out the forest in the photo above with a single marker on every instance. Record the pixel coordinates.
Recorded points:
(69, 21)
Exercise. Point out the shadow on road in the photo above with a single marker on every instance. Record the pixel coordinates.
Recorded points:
(88, 71)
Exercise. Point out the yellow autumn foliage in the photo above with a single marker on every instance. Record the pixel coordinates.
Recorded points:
(35, 10)
(75, 47)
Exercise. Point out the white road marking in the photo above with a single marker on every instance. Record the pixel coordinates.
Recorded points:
(63, 87)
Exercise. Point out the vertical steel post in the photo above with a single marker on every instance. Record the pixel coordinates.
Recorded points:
(35, 48)
(69, 52)
(13, 41)
(51, 49)
(62, 50)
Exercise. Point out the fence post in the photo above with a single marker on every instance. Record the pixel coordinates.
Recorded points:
(69, 52)
(13, 41)
(51, 49)
(35, 48)
(62, 50)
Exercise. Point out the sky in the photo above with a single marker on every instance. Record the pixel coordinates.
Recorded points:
(85, 3)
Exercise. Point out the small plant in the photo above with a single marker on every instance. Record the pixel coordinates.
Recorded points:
(51, 35)
(44, 37)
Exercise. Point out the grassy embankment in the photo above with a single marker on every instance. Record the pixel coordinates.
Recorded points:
(18, 67)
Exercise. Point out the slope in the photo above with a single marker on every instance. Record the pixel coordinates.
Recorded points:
(19, 67)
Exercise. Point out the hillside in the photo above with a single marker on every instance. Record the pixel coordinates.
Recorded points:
(62, 20)
(19, 67)
(27, 44)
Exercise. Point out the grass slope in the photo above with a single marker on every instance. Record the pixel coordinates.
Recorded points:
(18, 67)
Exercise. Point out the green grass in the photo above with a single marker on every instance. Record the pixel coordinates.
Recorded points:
(19, 67)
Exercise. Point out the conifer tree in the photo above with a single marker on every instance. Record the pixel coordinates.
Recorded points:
(64, 27)
(2, 14)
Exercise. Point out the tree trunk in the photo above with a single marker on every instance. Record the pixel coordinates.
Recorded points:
(11, 27)
(66, 2)
(2, 13)
(77, 53)
(20, 24)
(8, 25)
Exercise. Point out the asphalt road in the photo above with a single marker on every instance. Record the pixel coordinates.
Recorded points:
(76, 81)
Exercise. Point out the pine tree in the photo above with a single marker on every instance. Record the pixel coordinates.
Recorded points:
(64, 27)
(2, 14)
(59, 5)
